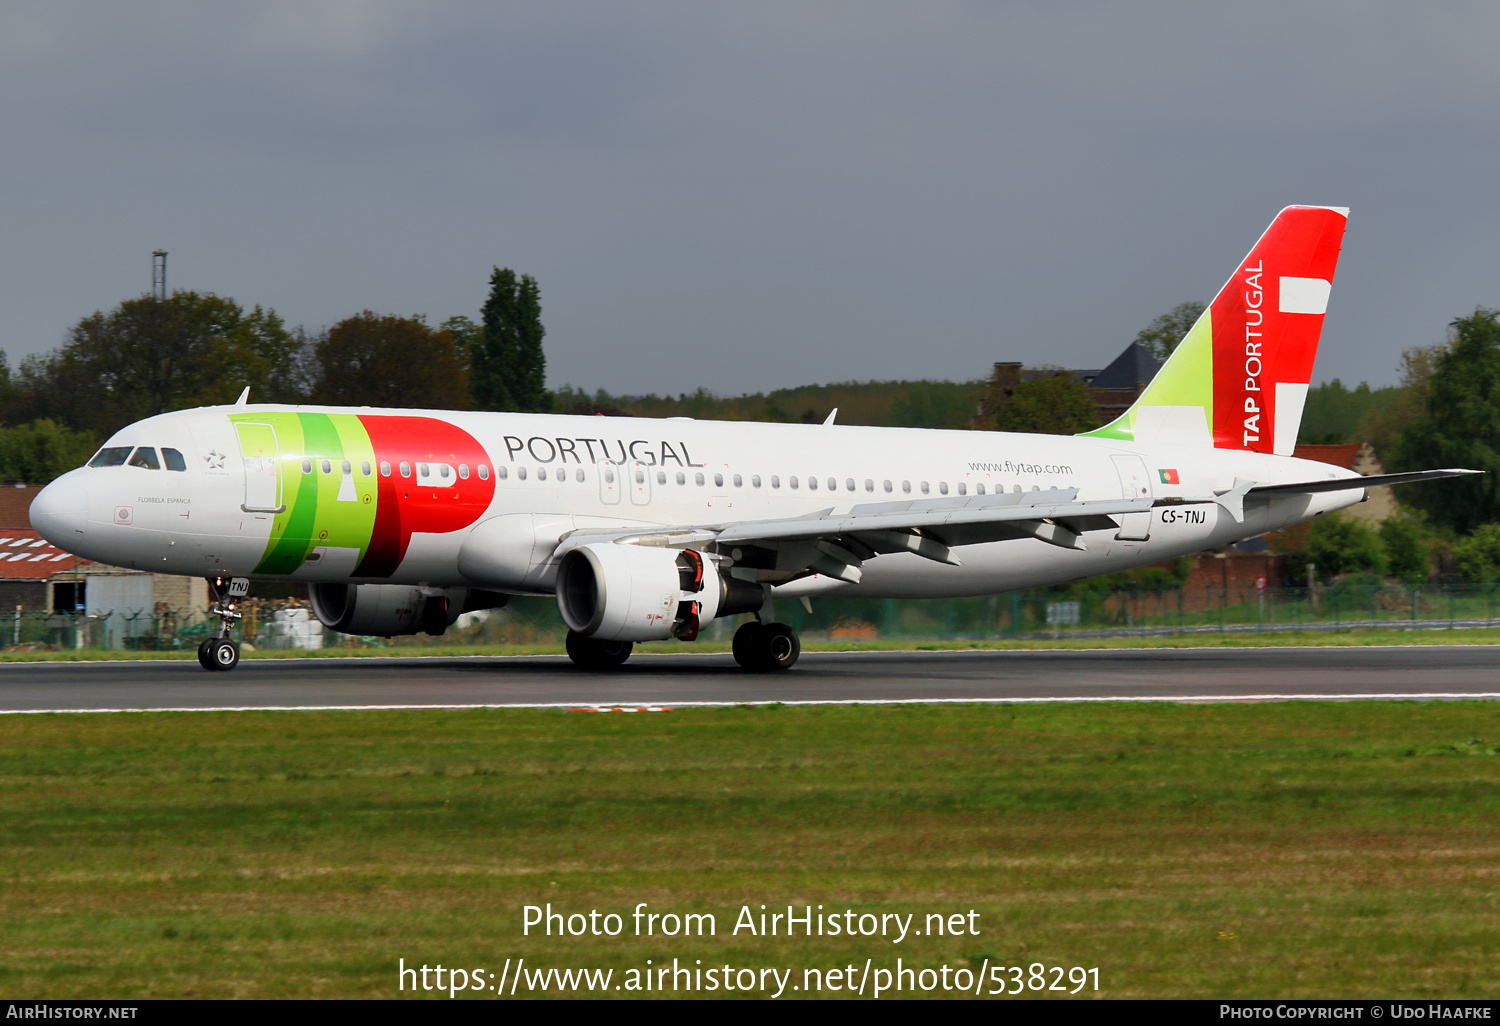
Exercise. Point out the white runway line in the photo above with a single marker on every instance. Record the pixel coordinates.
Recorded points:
(1416, 696)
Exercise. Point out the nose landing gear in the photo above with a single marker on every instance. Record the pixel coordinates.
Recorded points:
(220, 652)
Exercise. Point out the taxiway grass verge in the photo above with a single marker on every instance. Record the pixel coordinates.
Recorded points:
(1316, 850)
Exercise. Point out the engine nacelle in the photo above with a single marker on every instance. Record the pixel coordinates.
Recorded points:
(643, 593)
(385, 609)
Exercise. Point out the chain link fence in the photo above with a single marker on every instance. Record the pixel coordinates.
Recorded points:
(1037, 614)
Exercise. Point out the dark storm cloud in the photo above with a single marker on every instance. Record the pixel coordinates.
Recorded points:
(753, 195)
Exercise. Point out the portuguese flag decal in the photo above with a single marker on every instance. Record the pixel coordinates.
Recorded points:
(1169, 477)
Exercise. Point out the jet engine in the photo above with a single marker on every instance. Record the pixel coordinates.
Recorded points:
(386, 609)
(617, 592)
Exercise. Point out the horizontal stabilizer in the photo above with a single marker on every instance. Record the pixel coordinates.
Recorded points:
(1346, 483)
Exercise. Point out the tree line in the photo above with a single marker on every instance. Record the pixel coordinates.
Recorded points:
(149, 356)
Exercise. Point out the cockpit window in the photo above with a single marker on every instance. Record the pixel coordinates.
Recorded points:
(173, 459)
(145, 457)
(110, 456)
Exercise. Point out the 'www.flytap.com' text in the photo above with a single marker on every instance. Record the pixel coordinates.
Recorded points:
(682, 977)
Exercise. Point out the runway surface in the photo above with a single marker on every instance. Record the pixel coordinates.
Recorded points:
(679, 680)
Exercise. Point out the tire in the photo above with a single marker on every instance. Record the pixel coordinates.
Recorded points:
(225, 654)
(205, 658)
(779, 647)
(590, 654)
(746, 646)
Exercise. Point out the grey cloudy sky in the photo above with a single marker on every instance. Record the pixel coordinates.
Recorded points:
(751, 195)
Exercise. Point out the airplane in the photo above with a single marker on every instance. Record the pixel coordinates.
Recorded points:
(399, 521)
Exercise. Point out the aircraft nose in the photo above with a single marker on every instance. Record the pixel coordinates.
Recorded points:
(60, 512)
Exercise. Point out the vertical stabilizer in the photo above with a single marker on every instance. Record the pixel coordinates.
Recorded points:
(1239, 378)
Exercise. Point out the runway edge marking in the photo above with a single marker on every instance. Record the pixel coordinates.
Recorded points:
(1070, 700)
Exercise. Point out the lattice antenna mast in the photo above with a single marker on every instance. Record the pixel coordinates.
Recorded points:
(159, 274)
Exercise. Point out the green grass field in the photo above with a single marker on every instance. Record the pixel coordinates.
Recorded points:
(1350, 638)
(1312, 850)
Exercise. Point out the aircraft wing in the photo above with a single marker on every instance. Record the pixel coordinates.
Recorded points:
(835, 544)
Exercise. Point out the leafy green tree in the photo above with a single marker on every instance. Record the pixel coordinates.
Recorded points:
(933, 404)
(1461, 427)
(1342, 545)
(466, 335)
(1054, 405)
(38, 452)
(508, 370)
(1161, 336)
(369, 360)
(1407, 553)
(1478, 555)
(149, 356)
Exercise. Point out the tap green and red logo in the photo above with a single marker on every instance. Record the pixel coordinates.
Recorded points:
(1169, 477)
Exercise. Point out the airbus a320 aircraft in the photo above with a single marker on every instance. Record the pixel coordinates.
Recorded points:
(401, 520)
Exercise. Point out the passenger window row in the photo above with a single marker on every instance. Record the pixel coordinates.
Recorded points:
(794, 482)
(145, 458)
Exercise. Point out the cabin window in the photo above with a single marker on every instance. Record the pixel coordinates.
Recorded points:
(793, 481)
(754, 480)
(849, 484)
(484, 473)
(833, 484)
(739, 482)
(661, 477)
(306, 466)
(463, 471)
(698, 479)
(718, 480)
(924, 488)
(405, 469)
(145, 458)
(423, 470)
(888, 486)
(346, 468)
(681, 478)
(943, 487)
(327, 467)
(869, 485)
(963, 489)
(444, 471)
(775, 481)
(541, 474)
(111, 456)
(364, 467)
(520, 473)
(906, 487)
(640, 477)
(979, 489)
(578, 474)
(173, 459)
(385, 468)
(500, 472)
(812, 484)
(609, 475)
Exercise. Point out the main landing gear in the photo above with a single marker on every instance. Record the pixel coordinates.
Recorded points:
(594, 654)
(766, 647)
(220, 652)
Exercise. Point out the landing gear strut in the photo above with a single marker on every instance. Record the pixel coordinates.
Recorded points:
(766, 647)
(594, 654)
(220, 652)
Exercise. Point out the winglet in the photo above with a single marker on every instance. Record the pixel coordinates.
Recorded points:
(244, 397)
(835, 413)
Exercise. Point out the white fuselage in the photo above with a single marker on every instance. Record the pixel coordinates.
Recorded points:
(220, 515)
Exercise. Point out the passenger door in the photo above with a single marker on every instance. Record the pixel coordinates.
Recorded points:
(262, 458)
(1134, 484)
